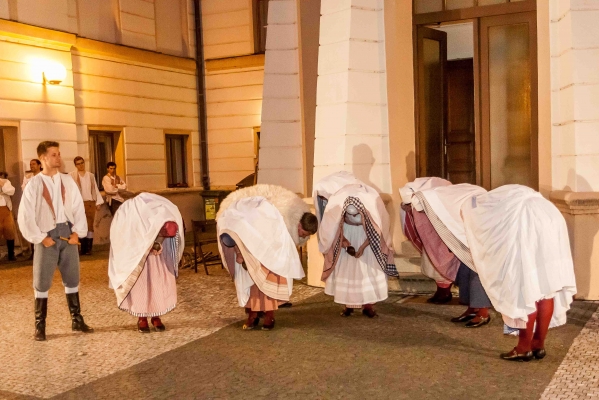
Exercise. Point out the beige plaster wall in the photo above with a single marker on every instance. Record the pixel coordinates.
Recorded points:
(228, 28)
(400, 95)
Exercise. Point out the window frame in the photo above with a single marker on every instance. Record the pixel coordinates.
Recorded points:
(168, 151)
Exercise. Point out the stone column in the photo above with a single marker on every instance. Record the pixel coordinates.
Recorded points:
(352, 131)
(280, 159)
(575, 132)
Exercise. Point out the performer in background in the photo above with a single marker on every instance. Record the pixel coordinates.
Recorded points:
(7, 223)
(92, 200)
(113, 187)
(52, 217)
(147, 242)
(35, 167)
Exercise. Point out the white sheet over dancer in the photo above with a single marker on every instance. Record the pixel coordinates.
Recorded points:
(261, 234)
(357, 213)
(328, 186)
(520, 246)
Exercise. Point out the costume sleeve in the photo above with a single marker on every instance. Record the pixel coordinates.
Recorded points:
(99, 199)
(80, 224)
(122, 185)
(108, 188)
(8, 188)
(26, 216)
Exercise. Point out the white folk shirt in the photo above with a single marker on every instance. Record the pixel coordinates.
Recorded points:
(6, 190)
(35, 215)
(86, 181)
(112, 189)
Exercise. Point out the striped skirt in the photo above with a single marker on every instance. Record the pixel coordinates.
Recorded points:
(155, 291)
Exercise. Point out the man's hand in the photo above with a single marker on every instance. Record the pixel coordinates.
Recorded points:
(48, 242)
(362, 248)
(73, 239)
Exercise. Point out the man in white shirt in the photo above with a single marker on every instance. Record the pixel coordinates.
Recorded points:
(52, 217)
(35, 167)
(92, 200)
(113, 185)
(7, 224)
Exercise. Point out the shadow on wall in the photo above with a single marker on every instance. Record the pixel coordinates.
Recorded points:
(587, 228)
(362, 163)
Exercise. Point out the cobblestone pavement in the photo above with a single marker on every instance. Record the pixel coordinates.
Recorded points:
(578, 375)
(68, 359)
(410, 352)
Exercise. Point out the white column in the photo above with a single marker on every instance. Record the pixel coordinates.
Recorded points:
(281, 143)
(575, 94)
(352, 131)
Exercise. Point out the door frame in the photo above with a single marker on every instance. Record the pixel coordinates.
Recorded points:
(474, 15)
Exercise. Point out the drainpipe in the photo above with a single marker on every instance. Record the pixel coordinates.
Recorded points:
(201, 87)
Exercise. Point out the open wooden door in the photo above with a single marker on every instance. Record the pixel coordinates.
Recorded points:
(431, 67)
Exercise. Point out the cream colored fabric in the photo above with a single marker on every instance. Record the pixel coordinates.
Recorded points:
(520, 246)
(329, 185)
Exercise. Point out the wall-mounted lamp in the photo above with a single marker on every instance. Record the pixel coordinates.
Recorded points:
(54, 73)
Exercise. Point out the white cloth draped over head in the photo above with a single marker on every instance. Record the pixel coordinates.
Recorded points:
(134, 228)
(328, 186)
(262, 230)
(520, 246)
(327, 230)
(446, 202)
(418, 185)
(289, 204)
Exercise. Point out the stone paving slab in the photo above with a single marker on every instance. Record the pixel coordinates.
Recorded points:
(67, 359)
(411, 351)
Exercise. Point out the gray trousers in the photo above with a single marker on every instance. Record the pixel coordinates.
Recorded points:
(472, 292)
(62, 255)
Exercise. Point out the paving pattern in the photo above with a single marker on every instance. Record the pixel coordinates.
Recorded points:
(410, 352)
(68, 359)
(578, 375)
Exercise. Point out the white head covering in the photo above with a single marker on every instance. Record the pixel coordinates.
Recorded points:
(328, 186)
(134, 228)
(418, 185)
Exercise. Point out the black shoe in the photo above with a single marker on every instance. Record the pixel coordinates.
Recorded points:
(514, 356)
(268, 327)
(286, 305)
(369, 312)
(440, 300)
(347, 312)
(78, 324)
(41, 310)
(539, 354)
(157, 324)
(482, 322)
(83, 247)
(464, 318)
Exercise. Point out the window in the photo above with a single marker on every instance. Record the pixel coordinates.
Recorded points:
(260, 22)
(176, 160)
(101, 151)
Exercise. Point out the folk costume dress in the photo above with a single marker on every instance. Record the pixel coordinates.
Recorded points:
(145, 283)
(520, 246)
(356, 212)
(257, 229)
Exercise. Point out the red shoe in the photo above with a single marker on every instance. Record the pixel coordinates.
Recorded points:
(157, 323)
(142, 325)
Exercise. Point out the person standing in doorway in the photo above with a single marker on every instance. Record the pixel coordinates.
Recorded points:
(35, 167)
(52, 217)
(113, 184)
(92, 200)
(7, 224)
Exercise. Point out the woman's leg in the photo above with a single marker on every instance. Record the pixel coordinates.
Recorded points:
(544, 315)
(522, 352)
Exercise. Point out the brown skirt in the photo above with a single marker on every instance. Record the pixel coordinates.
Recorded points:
(258, 301)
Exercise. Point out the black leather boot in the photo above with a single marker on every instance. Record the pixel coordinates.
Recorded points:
(76, 317)
(10, 244)
(41, 310)
(90, 244)
(83, 248)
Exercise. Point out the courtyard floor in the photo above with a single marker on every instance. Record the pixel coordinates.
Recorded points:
(411, 351)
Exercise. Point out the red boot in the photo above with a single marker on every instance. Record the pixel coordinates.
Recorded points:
(142, 325)
(157, 323)
(269, 321)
